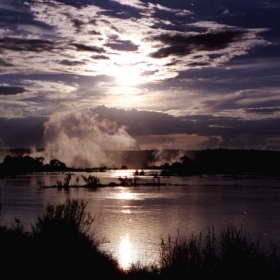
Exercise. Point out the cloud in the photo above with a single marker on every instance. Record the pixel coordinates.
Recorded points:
(181, 45)
(100, 57)
(122, 46)
(81, 135)
(82, 47)
(4, 63)
(28, 45)
(147, 44)
(70, 63)
(159, 128)
(247, 98)
(132, 3)
(184, 62)
(50, 86)
(178, 12)
(9, 112)
(172, 141)
(6, 90)
(263, 110)
(21, 132)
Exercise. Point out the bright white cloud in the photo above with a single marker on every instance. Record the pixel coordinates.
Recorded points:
(175, 11)
(133, 3)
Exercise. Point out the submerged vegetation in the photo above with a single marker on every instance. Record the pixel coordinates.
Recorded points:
(61, 244)
(92, 181)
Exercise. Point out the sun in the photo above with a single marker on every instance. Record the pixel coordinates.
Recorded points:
(127, 75)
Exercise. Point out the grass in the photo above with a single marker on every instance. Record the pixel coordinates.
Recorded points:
(62, 245)
(91, 182)
(65, 183)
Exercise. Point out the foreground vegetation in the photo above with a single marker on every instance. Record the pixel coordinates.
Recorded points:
(60, 245)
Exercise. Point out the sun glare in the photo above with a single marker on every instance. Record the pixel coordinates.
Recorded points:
(127, 75)
(125, 252)
(124, 195)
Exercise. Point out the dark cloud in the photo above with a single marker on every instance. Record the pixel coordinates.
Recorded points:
(30, 45)
(93, 32)
(36, 45)
(145, 123)
(122, 46)
(211, 143)
(82, 47)
(4, 63)
(181, 45)
(198, 64)
(221, 131)
(263, 111)
(14, 13)
(149, 73)
(71, 63)
(77, 24)
(5, 90)
(174, 62)
(22, 133)
(100, 57)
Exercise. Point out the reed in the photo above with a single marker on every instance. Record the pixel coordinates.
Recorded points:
(91, 181)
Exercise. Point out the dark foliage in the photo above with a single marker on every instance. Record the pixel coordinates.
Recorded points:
(20, 165)
(231, 255)
(233, 163)
(91, 181)
(125, 181)
(60, 246)
(55, 165)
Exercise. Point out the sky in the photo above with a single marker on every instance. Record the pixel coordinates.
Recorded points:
(77, 76)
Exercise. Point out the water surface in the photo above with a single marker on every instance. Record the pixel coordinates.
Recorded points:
(134, 219)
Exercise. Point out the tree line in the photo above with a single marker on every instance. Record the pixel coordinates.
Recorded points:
(218, 161)
(20, 165)
(223, 161)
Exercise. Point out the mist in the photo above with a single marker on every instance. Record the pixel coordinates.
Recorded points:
(160, 157)
(79, 139)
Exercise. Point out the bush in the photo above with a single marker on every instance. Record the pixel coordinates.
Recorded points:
(70, 215)
(60, 245)
(233, 255)
(91, 181)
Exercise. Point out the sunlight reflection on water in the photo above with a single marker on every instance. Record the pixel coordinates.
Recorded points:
(133, 219)
(125, 195)
(125, 252)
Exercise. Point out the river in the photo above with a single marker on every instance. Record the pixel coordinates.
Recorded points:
(133, 219)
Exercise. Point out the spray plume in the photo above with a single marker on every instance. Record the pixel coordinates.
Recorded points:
(79, 138)
(160, 157)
